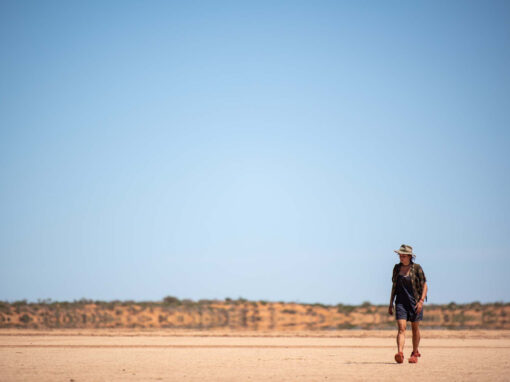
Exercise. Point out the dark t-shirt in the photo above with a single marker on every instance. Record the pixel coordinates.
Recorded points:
(404, 291)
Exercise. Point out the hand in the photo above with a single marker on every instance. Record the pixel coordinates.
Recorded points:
(390, 309)
(419, 307)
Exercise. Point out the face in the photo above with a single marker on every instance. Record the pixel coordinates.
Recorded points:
(404, 259)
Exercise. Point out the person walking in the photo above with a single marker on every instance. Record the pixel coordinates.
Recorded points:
(410, 291)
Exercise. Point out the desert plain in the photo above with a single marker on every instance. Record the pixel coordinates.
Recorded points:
(226, 355)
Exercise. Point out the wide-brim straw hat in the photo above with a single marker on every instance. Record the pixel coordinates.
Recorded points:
(405, 250)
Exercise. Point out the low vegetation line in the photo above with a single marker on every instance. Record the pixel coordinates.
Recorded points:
(239, 314)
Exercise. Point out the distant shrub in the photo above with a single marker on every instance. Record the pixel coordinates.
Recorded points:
(320, 305)
(366, 304)
(460, 318)
(263, 302)
(19, 305)
(188, 302)
(345, 309)
(171, 300)
(147, 304)
(289, 311)
(25, 318)
(162, 318)
(4, 307)
(84, 301)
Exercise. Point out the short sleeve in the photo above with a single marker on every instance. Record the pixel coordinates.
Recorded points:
(422, 274)
(394, 275)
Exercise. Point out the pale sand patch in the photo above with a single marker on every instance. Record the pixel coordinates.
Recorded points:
(124, 355)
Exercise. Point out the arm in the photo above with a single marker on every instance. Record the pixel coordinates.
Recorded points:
(392, 296)
(419, 305)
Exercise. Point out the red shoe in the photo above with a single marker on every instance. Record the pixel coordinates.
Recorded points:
(414, 357)
(399, 357)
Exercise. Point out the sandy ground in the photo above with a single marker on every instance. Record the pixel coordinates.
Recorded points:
(124, 355)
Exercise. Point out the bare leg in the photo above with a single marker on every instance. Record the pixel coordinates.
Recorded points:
(416, 335)
(401, 336)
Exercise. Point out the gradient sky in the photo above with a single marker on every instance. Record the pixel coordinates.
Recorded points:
(276, 150)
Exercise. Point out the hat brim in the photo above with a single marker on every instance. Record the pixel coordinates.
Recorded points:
(405, 253)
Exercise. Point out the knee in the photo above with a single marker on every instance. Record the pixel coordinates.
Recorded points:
(401, 330)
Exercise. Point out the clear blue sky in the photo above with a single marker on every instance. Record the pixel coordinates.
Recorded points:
(269, 150)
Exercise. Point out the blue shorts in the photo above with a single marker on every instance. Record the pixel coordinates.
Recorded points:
(406, 312)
